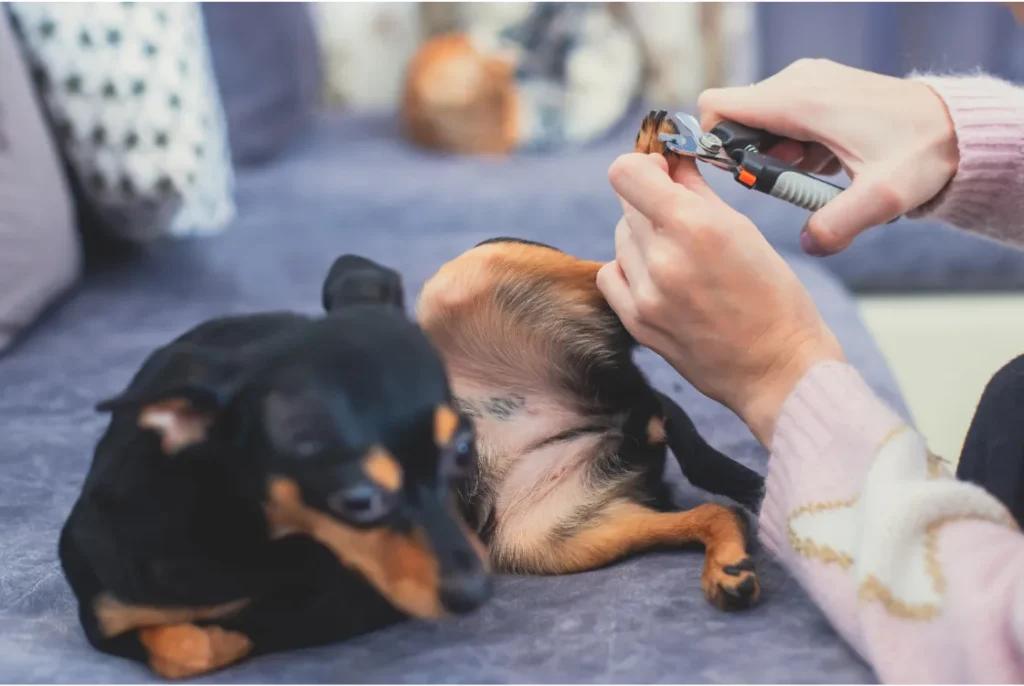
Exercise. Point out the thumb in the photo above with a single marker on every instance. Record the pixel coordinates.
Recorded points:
(686, 173)
(866, 203)
(659, 160)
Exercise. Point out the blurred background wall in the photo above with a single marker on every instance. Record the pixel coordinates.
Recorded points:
(893, 38)
(691, 46)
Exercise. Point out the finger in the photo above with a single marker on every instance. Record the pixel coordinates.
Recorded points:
(816, 158)
(869, 201)
(659, 160)
(787, 150)
(813, 158)
(615, 289)
(644, 229)
(833, 167)
(688, 175)
(761, 106)
(640, 227)
(647, 187)
(630, 256)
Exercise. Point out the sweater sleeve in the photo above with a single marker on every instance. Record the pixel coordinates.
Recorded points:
(921, 573)
(986, 195)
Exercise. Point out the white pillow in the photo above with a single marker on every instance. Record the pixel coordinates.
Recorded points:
(131, 95)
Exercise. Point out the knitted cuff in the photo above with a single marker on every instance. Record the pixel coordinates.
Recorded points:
(988, 115)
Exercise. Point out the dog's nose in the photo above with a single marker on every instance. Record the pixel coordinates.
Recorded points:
(465, 592)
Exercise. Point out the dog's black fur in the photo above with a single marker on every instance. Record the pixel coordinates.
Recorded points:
(190, 529)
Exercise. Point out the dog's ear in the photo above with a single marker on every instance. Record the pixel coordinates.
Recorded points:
(355, 280)
(178, 393)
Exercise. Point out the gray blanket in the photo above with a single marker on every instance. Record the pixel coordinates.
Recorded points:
(354, 188)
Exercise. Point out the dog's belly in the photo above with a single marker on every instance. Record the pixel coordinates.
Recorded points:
(535, 487)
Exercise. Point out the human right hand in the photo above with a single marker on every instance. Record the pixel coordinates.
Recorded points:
(894, 138)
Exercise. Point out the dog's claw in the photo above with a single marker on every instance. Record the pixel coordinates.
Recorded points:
(731, 587)
(745, 565)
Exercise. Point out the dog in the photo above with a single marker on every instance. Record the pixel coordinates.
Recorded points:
(535, 77)
(275, 481)
(571, 437)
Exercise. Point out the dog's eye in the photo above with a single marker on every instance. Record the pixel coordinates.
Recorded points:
(362, 504)
(459, 454)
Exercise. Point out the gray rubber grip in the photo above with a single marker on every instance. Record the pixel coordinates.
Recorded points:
(804, 191)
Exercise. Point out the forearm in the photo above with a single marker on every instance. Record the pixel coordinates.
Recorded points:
(911, 566)
(987, 194)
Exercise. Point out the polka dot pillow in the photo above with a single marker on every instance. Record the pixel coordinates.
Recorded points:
(129, 90)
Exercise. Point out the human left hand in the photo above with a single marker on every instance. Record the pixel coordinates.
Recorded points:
(696, 282)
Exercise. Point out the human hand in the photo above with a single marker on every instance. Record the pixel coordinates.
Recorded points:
(696, 282)
(893, 137)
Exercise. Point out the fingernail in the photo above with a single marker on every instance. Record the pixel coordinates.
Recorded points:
(810, 245)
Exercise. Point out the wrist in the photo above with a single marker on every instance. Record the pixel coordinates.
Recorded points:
(989, 128)
(762, 403)
(939, 139)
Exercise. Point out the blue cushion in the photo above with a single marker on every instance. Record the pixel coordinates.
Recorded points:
(267, 62)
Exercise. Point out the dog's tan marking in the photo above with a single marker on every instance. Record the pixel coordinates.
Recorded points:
(281, 495)
(383, 469)
(115, 618)
(401, 567)
(445, 424)
(182, 651)
(177, 422)
(656, 430)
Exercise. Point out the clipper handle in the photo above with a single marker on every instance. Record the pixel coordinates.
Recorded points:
(804, 191)
(770, 175)
(780, 180)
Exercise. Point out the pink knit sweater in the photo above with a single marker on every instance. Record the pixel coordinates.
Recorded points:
(922, 574)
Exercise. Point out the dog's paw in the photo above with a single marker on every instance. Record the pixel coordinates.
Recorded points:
(654, 124)
(182, 651)
(730, 582)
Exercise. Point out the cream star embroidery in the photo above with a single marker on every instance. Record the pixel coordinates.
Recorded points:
(908, 496)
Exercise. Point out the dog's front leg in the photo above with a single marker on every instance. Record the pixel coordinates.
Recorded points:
(182, 651)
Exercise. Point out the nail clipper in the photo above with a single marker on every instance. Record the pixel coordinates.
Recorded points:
(737, 148)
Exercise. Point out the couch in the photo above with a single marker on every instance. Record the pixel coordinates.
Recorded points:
(349, 183)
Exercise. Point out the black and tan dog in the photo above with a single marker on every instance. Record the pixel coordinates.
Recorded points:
(276, 481)
(571, 438)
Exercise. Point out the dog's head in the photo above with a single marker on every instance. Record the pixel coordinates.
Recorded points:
(350, 417)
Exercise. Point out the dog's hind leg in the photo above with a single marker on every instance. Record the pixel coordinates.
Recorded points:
(624, 527)
(705, 467)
